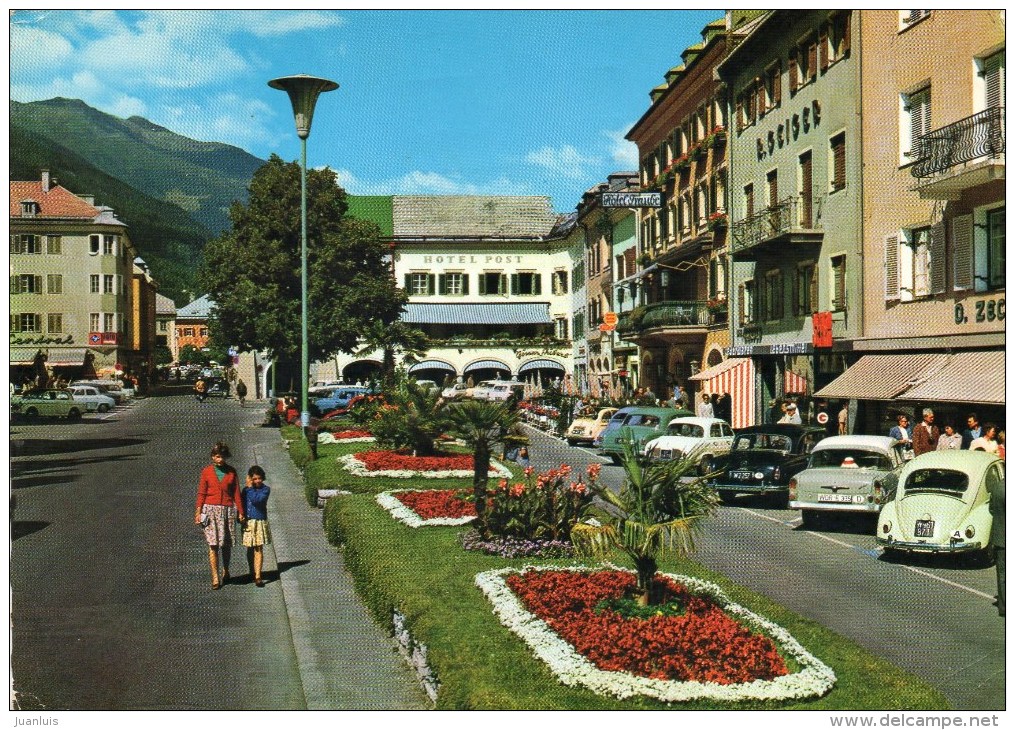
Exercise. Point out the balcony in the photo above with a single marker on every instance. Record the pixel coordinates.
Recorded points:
(790, 221)
(662, 321)
(960, 156)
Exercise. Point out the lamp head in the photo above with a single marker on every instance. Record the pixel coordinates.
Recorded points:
(303, 91)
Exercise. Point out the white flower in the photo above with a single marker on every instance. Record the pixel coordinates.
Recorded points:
(403, 514)
(354, 466)
(329, 438)
(813, 680)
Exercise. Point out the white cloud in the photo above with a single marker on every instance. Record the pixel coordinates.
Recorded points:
(622, 151)
(418, 182)
(275, 23)
(37, 49)
(565, 161)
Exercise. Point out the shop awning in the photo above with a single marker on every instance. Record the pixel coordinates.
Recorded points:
(54, 356)
(432, 365)
(540, 365)
(887, 377)
(967, 377)
(495, 314)
(486, 364)
(736, 377)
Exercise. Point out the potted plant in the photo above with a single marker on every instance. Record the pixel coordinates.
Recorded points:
(716, 136)
(682, 163)
(717, 304)
(697, 152)
(717, 221)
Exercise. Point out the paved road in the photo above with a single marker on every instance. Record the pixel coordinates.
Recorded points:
(931, 617)
(111, 599)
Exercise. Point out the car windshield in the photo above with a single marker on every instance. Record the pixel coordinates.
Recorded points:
(618, 417)
(641, 419)
(763, 441)
(937, 480)
(850, 458)
(686, 429)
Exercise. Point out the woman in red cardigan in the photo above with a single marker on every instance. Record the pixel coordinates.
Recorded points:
(218, 507)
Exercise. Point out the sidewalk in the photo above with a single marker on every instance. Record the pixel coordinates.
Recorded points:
(346, 660)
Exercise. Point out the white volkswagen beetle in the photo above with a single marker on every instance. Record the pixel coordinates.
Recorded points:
(702, 439)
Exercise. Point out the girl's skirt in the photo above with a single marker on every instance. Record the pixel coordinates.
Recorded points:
(220, 529)
(256, 533)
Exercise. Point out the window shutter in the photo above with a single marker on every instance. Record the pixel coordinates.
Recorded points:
(938, 268)
(482, 283)
(430, 281)
(777, 85)
(503, 284)
(514, 283)
(740, 303)
(15, 284)
(797, 309)
(794, 71)
(761, 295)
(442, 283)
(812, 61)
(537, 283)
(38, 283)
(839, 162)
(465, 283)
(408, 283)
(759, 93)
(740, 114)
(823, 48)
(847, 22)
(962, 252)
(993, 73)
(892, 268)
(780, 297)
(813, 295)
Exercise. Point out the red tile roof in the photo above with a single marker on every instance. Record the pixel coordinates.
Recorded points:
(57, 203)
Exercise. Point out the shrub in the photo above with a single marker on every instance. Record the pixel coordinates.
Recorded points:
(332, 524)
(546, 507)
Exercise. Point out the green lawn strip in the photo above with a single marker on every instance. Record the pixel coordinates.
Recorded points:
(482, 665)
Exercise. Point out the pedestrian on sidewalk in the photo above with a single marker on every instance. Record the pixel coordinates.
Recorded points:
(218, 507)
(241, 391)
(256, 531)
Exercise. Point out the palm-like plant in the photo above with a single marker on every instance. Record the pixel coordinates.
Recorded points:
(413, 417)
(658, 514)
(391, 338)
(481, 425)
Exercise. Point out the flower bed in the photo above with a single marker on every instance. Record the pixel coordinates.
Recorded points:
(426, 507)
(349, 435)
(405, 466)
(711, 648)
(515, 547)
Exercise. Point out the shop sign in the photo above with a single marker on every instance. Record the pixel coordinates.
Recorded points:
(780, 348)
(631, 200)
(985, 310)
(611, 319)
(43, 340)
(785, 132)
(821, 322)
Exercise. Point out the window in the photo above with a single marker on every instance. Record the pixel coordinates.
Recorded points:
(990, 82)
(93, 322)
(772, 184)
(915, 263)
(107, 284)
(560, 282)
(578, 276)
(748, 201)
(54, 323)
(805, 289)
(838, 283)
(163, 326)
(837, 167)
(54, 245)
(109, 322)
(995, 249)
(914, 123)
(26, 284)
(54, 283)
(579, 324)
(93, 283)
(909, 17)
(29, 209)
(806, 182)
(109, 245)
(94, 241)
(26, 243)
(560, 328)
(745, 297)
(838, 37)
(419, 284)
(454, 283)
(493, 282)
(203, 332)
(26, 322)
(803, 64)
(774, 307)
(773, 87)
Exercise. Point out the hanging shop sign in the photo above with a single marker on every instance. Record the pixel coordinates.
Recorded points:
(632, 200)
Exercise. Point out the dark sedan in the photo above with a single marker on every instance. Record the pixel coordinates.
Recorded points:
(763, 458)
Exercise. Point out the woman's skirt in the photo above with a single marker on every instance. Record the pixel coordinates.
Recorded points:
(220, 529)
(256, 533)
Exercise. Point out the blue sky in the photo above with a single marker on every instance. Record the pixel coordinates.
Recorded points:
(430, 102)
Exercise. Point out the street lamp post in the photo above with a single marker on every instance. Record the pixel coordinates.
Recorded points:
(303, 91)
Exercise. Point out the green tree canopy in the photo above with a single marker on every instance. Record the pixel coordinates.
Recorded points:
(252, 272)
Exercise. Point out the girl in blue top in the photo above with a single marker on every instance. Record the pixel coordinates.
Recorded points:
(256, 533)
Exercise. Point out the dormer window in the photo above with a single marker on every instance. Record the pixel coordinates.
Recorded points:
(29, 208)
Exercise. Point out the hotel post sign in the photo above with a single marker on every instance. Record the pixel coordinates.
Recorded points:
(632, 200)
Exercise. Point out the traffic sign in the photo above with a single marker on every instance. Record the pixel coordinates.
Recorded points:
(822, 418)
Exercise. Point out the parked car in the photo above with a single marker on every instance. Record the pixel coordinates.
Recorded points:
(587, 426)
(701, 439)
(616, 421)
(764, 458)
(323, 387)
(942, 504)
(847, 474)
(455, 391)
(52, 403)
(339, 397)
(428, 385)
(503, 390)
(479, 391)
(641, 425)
(108, 387)
(93, 398)
(216, 388)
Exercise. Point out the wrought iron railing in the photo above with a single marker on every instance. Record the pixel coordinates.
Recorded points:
(781, 218)
(981, 135)
(675, 314)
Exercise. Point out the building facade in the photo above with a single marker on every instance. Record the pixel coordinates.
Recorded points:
(192, 324)
(933, 218)
(165, 325)
(72, 298)
(795, 202)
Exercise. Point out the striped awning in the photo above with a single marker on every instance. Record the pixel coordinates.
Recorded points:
(485, 365)
(887, 377)
(793, 383)
(495, 314)
(540, 365)
(432, 365)
(736, 377)
(967, 377)
(54, 355)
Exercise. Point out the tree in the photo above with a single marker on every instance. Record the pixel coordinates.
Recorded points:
(190, 354)
(659, 512)
(413, 417)
(252, 272)
(481, 425)
(391, 339)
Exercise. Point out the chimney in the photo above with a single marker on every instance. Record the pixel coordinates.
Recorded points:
(45, 181)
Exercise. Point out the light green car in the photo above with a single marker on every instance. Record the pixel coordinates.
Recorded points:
(942, 504)
(52, 403)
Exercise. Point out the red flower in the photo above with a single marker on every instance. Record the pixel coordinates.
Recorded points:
(393, 460)
(437, 503)
(351, 433)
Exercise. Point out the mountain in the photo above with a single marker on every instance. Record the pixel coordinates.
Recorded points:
(173, 192)
(203, 178)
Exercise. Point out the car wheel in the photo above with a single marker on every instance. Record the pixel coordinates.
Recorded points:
(103, 408)
(32, 413)
(727, 496)
(810, 517)
(73, 414)
(778, 500)
(616, 459)
(572, 442)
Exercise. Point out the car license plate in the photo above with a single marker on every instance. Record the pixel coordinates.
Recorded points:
(838, 498)
(741, 475)
(924, 528)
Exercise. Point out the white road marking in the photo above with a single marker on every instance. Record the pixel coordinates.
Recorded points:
(851, 546)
